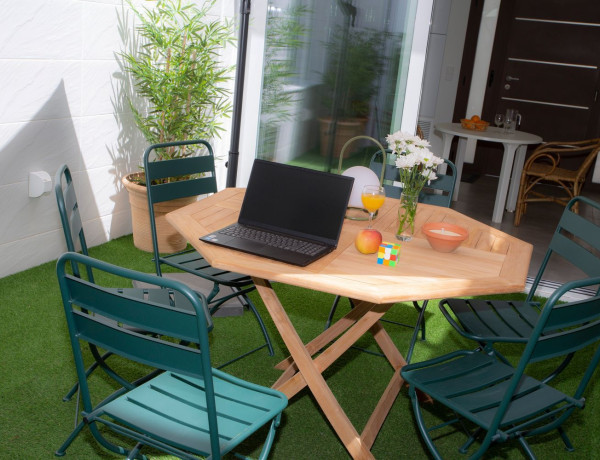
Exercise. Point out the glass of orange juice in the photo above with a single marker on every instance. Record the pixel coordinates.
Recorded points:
(372, 198)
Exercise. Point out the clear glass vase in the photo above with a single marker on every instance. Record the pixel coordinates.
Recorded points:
(406, 214)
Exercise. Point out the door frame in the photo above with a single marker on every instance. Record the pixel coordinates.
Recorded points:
(406, 102)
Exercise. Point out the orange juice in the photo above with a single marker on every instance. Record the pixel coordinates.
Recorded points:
(372, 202)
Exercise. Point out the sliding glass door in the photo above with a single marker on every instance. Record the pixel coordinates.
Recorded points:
(333, 69)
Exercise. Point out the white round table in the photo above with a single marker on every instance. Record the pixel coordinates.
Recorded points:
(515, 147)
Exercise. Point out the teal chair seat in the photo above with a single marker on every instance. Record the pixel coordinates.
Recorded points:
(505, 320)
(474, 384)
(167, 409)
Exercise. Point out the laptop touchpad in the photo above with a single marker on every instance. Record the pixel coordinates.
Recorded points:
(246, 245)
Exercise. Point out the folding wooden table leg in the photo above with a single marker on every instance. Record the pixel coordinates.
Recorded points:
(315, 381)
(390, 394)
(365, 318)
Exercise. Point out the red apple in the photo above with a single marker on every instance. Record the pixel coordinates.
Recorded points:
(368, 241)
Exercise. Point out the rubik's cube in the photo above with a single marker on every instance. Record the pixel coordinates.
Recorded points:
(388, 254)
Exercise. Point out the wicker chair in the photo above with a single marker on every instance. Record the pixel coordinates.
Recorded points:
(544, 167)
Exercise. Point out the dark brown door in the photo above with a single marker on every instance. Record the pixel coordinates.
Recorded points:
(546, 64)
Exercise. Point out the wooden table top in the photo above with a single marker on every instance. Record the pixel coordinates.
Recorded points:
(488, 262)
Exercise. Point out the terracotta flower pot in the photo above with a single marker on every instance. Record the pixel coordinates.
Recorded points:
(345, 130)
(169, 239)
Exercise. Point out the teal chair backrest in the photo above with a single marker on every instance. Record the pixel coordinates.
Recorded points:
(576, 239)
(87, 306)
(70, 217)
(439, 192)
(179, 177)
(157, 315)
(170, 179)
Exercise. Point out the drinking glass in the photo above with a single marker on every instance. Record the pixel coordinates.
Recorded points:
(372, 197)
(510, 120)
(499, 120)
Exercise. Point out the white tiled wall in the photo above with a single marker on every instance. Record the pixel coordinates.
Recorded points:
(61, 102)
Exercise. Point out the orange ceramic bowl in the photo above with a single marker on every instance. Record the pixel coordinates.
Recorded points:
(444, 237)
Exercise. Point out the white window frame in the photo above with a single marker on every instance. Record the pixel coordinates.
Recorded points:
(407, 104)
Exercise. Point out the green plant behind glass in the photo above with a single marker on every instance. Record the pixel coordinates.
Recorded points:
(284, 36)
(355, 62)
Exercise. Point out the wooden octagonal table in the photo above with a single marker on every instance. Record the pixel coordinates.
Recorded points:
(489, 261)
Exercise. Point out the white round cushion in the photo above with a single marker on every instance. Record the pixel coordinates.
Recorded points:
(362, 176)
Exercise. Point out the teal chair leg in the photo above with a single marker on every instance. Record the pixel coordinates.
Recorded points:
(419, 308)
(568, 446)
(60, 452)
(240, 294)
(332, 311)
(527, 449)
(421, 424)
(261, 324)
(88, 372)
(135, 452)
(419, 326)
(472, 437)
(264, 453)
(250, 305)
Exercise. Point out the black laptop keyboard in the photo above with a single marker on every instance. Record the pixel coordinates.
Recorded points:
(273, 239)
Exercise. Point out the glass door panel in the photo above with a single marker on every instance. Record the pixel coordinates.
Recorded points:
(333, 69)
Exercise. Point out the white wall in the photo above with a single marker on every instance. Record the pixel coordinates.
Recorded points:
(445, 82)
(481, 66)
(61, 102)
(410, 100)
(483, 56)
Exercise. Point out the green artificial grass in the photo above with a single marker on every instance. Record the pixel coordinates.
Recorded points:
(314, 160)
(36, 371)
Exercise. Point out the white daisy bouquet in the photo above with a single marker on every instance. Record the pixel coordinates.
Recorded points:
(417, 165)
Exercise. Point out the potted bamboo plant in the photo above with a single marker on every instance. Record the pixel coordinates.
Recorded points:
(181, 84)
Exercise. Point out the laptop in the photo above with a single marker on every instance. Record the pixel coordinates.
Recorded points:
(290, 214)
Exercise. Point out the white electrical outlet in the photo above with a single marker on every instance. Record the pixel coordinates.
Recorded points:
(40, 182)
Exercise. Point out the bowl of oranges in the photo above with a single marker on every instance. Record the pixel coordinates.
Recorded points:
(475, 123)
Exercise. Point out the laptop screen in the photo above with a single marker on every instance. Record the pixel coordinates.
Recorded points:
(298, 201)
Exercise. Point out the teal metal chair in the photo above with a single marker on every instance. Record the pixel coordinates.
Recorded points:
(438, 193)
(503, 402)
(193, 175)
(68, 208)
(576, 241)
(70, 217)
(190, 409)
